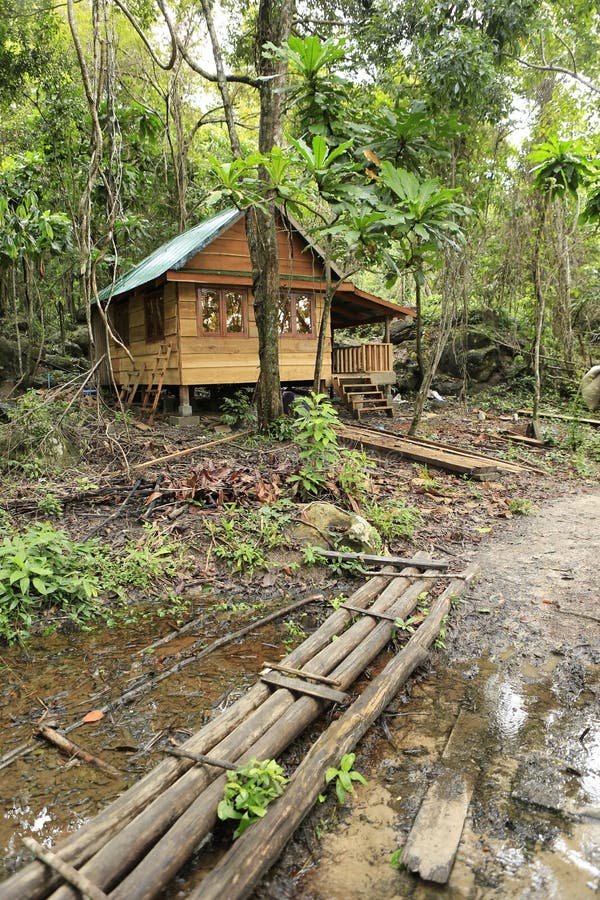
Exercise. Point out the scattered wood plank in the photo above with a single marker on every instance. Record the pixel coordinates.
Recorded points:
(561, 416)
(386, 560)
(71, 875)
(301, 686)
(369, 612)
(523, 439)
(288, 670)
(434, 838)
(201, 758)
(63, 743)
(429, 453)
(189, 450)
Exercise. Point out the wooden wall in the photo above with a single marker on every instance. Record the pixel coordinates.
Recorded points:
(212, 359)
(144, 352)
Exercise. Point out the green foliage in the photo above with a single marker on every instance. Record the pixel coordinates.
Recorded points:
(353, 474)
(50, 506)
(35, 441)
(561, 167)
(43, 572)
(406, 625)
(395, 859)
(519, 506)
(440, 641)
(312, 557)
(394, 519)
(248, 792)
(238, 410)
(296, 634)
(314, 427)
(344, 777)
(242, 537)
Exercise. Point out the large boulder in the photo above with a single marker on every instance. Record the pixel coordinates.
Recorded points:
(402, 330)
(590, 388)
(324, 525)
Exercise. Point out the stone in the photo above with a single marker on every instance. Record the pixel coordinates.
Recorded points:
(590, 388)
(323, 525)
(179, 421)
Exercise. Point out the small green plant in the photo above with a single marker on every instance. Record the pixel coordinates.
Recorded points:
(248, 792)
(50, 506)
(519, 506)
(354, 474)
(428, 482)
(344, 777)
(440, 641)
(406, 625)
(295, 634)
(395, 859)
(314, 433)
(238, 410)
(394, 519)
(336, 602)
(282, 429)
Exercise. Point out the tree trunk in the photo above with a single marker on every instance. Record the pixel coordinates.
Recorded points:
(540, 296)
(324, 326)
(419, 330)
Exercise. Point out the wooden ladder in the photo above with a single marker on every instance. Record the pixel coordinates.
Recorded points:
(155, 383)
(130, 386)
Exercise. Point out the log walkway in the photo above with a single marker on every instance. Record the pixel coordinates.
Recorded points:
(135, 846)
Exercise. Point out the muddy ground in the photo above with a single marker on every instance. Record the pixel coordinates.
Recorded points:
(522, 653)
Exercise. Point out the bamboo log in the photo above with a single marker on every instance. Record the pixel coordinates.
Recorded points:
(563, 418)
(187, 452)
(63, 743)
(83, 884)
(256, 851)
(33, 881)
(155, 871)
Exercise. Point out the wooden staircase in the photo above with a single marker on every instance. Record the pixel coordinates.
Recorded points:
(360, 394)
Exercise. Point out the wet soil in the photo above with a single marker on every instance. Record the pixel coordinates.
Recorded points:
(519, 651)
(523, 653)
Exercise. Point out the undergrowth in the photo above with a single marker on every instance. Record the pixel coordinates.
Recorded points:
(45, 575)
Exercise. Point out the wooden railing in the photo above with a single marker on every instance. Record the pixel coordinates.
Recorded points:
(364, 358)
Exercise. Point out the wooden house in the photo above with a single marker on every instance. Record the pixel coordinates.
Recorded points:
(186, 315)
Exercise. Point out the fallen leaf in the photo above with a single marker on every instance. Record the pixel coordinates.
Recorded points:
(93, 716)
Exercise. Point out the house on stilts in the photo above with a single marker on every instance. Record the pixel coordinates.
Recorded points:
(185, 314)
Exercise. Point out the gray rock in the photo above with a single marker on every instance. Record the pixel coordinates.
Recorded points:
(323, 525)
(590, 388)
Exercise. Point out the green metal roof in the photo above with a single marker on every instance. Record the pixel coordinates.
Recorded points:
(172, 255)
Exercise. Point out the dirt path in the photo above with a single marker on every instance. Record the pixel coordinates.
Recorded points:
(522, 655)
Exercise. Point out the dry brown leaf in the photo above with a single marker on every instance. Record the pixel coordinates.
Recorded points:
(93, 716)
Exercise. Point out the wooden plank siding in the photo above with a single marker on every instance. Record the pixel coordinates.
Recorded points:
(144, 352)
(198, 359)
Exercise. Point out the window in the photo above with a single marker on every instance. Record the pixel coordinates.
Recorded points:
(154, 316)
(222, 311)
(119, 321)
(296, 314)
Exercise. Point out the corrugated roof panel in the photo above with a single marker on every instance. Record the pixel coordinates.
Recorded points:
(172, 255)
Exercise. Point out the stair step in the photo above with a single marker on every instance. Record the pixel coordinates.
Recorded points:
(352, 379)
(370, 401)
(360, 389)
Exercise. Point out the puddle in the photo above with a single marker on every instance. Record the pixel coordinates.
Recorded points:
(62, 677)
(523, 837)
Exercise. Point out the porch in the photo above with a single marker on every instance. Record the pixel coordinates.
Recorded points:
(361, 376)
(375, 359)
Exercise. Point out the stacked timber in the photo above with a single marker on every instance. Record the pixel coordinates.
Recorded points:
(134, 848)
(429, 453)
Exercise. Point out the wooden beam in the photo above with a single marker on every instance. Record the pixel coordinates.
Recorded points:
(300, 686)
(312, 676)
(550, 415)
(368, 612)
(386, 560)
(70, 875)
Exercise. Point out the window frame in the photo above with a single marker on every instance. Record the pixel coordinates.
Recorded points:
(221, 290)
(154, 301)
(294, 333)
(119, 321)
